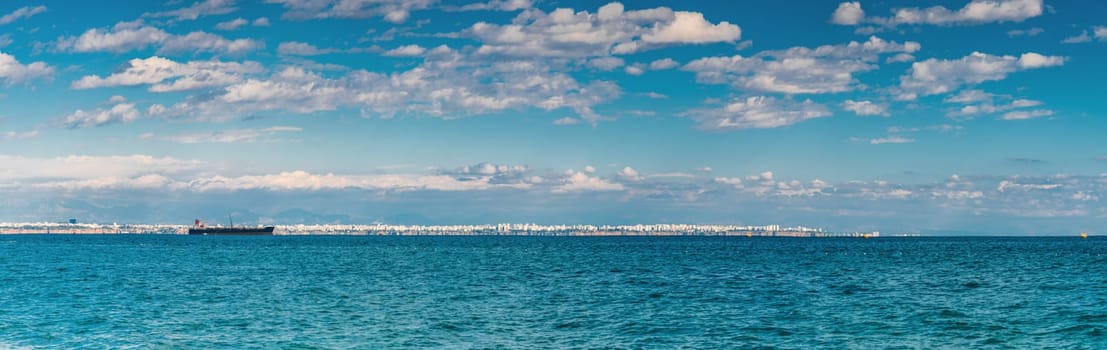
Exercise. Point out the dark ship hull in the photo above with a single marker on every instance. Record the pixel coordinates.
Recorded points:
(232, 231)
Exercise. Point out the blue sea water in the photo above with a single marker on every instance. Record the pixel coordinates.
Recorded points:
(140, 291)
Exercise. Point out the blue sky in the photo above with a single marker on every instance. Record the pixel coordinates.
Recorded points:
(966, 115)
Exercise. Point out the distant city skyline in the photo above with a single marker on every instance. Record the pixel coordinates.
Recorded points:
(953, 116)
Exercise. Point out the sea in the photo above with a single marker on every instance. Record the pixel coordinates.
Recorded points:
(341, 292)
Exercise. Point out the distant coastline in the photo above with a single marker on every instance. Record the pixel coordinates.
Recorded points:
(456, 230)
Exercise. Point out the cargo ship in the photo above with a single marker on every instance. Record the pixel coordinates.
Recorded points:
(199, 228)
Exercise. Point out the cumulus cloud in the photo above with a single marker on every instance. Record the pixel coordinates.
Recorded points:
(128, 36)
(21, 13)
(490, 169)
(976, 102)
(14, 72)
(629, 174)
(865, 108)
(663, 64)
(757, 112)
(1025, 32)
(498, 5)
(446, 85)
(691, 28)
(261, 22)
(295, 48)
(1024, 115)
(576, 181)
(206, 42)
(405, 51)
(1078, 39)
(395, 11)
(606, 63)
(233, 24)
(165, 75)
(119, 113)
(848, 14)
(798, 70)
(975, 12)
(610, 30)
(936, 76)
(199, 9)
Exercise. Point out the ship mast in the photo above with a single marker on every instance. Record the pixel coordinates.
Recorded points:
(229, 219)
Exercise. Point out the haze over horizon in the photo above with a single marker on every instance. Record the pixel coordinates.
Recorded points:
(951, 116)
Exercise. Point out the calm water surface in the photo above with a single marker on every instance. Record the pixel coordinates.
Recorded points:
(137, 291)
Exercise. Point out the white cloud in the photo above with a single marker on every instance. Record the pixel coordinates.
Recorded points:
(798, 70)
(975, 12)
(848, 14)
(14, 72)
(934, 76)
(1082, 38)
(12, 135)
(395, 11)
(89, 167)
(589, 169)
(757, 112)
(976, 102)
(295, 48)
(143, 182)
(610, 30)
(1023, 115)
(127, 36)
(1032, 60)
(305, 181)
(233, 24)
(21, 13)
(118, 113)
(261, 22)
(1009, 185)
(606, 63)
(491, 169)
(1098, 32)
(1085, 196)
(969, 96)
(199, 9)
(228, 136)
(890, 139)
(692, 28)
(1025, 32)
(406, 50)
(635, 69)
(580, 182)
(206, 42)
(498, 5)
(165, 75)
(663, 64)
(629, 174)
(865, 108)
(901, 57)
(566, 121)
(446, 85)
